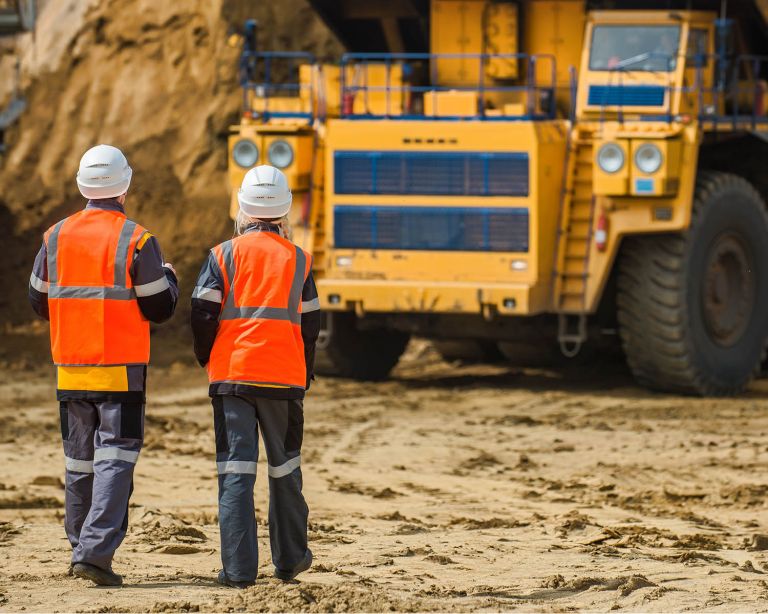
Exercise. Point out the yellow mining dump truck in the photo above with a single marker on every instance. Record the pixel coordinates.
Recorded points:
(523, 176)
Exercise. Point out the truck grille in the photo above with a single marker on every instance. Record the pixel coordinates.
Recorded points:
(431, 173)
(431, 228)
(626, 96)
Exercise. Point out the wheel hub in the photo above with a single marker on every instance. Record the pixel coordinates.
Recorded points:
(729, 290)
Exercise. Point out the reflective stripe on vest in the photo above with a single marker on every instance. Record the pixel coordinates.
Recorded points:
(95, 317)
(259, 338)
(118, 291)
(291, 313)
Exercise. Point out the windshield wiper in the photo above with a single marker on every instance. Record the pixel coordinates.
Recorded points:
(633, 60)
(636, 59)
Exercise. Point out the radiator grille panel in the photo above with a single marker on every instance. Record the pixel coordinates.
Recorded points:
(431, 228)
(428, 173)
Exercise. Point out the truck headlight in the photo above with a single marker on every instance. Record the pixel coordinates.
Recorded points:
(280, 154)
(610, 158)
(245, 153)
(648, 158)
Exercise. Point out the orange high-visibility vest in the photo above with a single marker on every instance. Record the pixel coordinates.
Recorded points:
(259, 337)
(95, 317)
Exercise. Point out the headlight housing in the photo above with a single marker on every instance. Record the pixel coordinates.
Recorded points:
(245, 153)
(648, 158)
(610, 158)
(280, 154)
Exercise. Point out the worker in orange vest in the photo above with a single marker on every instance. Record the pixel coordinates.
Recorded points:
(255, 319)
(100, 279)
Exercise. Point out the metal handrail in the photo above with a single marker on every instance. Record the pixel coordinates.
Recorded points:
(726, 92)
(531, 88)
(718, 104)
(573, 85)
(251, 62)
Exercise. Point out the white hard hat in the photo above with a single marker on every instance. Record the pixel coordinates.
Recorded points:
(104, 173)
(264, 193)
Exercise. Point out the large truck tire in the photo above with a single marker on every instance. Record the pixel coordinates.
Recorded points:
(363, 354)
(467, 350)
(692, 306)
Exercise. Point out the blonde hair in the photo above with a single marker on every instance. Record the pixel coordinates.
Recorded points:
(242, 221)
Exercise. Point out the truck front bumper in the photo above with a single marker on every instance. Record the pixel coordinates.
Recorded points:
(433, 297)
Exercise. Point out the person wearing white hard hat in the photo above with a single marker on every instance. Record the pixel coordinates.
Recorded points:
(100, 278)
(255, 320)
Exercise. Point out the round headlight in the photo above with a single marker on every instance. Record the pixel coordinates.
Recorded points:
(648, 158)
(610, 158)
(245, 153)
(280, 154)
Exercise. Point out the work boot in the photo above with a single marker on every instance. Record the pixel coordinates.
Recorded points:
(287, 576)
(97, 575)
(225, 581)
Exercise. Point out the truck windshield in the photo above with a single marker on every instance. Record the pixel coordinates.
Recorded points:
(638, 48)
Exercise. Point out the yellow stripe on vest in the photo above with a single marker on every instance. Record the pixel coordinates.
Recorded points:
(112, 379)
(144, 238)
(263, 385)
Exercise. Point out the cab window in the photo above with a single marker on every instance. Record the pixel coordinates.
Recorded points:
(634, 48)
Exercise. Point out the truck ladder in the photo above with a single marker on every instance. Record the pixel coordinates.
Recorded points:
(577, 212)
(315, 241)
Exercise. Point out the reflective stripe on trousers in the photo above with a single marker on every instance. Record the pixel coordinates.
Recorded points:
(236, 423)
(101, 446)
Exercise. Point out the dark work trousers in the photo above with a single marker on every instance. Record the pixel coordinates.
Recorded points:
(101, 446)
(236, 421)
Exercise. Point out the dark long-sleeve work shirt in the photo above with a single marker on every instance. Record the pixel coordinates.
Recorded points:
(206, 307)
(157, 294)
(157, 298)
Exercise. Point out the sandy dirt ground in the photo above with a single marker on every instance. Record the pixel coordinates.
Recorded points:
(448, 488)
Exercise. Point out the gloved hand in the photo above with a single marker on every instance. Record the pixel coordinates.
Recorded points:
(168, 265)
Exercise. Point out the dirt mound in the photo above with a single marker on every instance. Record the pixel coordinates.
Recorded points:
(157, 79)
(25, 501)
(7, 531)
(311, 597)
(168, 533)
(626, 585)
(177, 435)
(157, 525)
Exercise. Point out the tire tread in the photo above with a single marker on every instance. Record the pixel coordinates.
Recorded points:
(652, 304)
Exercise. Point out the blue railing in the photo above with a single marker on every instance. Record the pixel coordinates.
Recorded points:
(733, 100)
(401, 96)
(737, 94)
(269, 74)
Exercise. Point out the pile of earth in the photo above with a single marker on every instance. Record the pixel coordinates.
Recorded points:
(157, 79)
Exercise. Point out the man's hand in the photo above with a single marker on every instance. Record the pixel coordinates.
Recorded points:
(168, 265)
